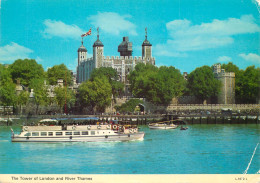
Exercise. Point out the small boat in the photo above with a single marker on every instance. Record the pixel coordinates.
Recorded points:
(163, 125)
(53, 131)
(183, 128)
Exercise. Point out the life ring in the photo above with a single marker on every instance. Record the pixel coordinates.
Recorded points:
(25, 128)
(115, 127)
(89, 126)
(99, 126)
(73, 127)
(108, 126)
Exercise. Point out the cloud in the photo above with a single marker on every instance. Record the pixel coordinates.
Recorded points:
(38, 59)
(183, 36)
(224, 59)
(55, 28)
(251, 57)
(13, 51)
(113, 23)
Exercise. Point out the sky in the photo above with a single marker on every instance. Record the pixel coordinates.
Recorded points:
(185, 34)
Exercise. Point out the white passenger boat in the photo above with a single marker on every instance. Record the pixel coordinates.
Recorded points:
(51, 131)
(163, 125)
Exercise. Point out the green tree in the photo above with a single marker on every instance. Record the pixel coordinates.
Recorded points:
(7, 89)
(202, 84)
(22, 99)
(26, 70)
(64, 96)
(40, 92)
(129, 106)
(157, 85)
(249, 85)
(95, 94)
(59, 72)
(112, 77)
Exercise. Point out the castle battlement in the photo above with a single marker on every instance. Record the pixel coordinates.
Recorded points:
(87, 60)
(135, 58)
(226, 74)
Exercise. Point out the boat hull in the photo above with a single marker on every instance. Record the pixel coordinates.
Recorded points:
(162, 127)
(101, 138)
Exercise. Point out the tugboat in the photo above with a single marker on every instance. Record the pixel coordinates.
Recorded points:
(50, 130)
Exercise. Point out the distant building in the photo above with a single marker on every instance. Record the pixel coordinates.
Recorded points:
(227, 92)
(124, 64)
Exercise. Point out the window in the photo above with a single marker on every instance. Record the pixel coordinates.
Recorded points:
(58, 133)
(35, 133)
(92, 132)
(76, 133)
(85, 133)
(27, 134)
(43, 133)
(67, 133)
(50, 133)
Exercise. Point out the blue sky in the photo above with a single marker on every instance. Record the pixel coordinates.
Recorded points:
(184, 33)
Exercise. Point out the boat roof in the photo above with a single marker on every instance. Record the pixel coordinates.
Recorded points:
(48, 120)
(75, 119)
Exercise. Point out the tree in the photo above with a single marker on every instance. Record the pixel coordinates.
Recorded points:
(22, 99)
(250, 85)
(40, 92)
(26, 70)
(157, 85)
(129, 106)
(59, 72)
(63, 96)
(202, 84)
(112, 77)
(95, 94)
(7, 89)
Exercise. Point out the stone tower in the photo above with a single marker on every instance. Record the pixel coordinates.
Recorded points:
(146, 48)
(98, 51)
(125, 48)
(227, 92)
(82, 53)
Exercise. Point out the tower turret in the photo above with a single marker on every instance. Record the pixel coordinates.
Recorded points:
(146, 47)
(82, 53)
(125, 48)
(98, 51)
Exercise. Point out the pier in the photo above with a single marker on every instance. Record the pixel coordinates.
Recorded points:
(139, 119)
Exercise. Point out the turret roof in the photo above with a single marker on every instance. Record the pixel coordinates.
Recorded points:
(146, 43)
(82, 49)
(98, 43)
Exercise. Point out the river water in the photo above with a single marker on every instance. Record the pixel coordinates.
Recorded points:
(202, 149)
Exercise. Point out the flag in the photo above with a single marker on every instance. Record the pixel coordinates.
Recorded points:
(87, 33)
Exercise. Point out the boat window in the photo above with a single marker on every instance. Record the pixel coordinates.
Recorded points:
(43, 133)
(27, 134)
(85, 133)
(50, 133)
(58, 133)
(35, 133)
(92, 132)
(76, 133)
(67, 133)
